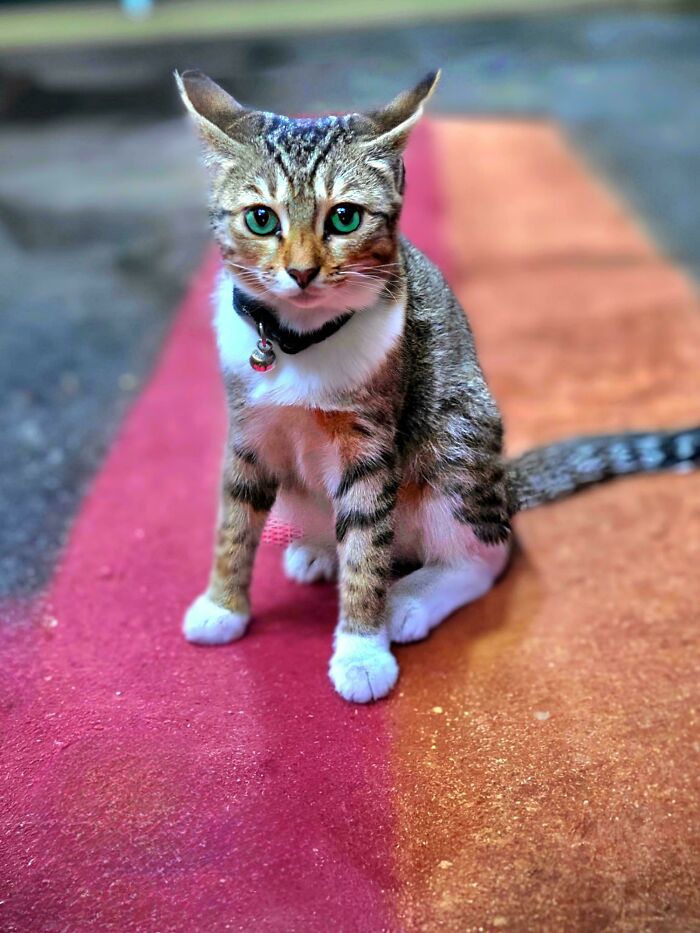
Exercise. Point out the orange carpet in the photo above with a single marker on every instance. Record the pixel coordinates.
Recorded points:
(546, 739)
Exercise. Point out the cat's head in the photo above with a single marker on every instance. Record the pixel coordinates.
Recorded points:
(305, 211)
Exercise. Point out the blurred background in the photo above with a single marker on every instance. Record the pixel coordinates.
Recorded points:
(102, 218)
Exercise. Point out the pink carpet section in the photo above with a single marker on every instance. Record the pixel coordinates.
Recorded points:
(152, 785)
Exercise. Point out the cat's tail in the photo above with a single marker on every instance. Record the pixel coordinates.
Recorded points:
(563, 468)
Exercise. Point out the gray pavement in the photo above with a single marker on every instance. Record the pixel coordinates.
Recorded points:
(101, 207)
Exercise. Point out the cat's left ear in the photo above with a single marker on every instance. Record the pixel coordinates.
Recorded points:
(392, 124)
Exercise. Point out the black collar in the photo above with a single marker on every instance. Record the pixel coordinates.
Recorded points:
(289, 341)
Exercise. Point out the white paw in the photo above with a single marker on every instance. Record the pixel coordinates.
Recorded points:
(308, 562)
(362, 668)
(206, 623)
(409, 619)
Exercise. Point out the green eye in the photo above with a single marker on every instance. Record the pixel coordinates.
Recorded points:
(344, 218)
(261, 220)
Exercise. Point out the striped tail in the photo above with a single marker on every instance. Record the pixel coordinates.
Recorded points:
(561, 469)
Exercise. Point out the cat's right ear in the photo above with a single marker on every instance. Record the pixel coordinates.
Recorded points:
(217, 115)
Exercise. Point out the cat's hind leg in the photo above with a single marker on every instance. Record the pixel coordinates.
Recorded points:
(421, 600)
(457, 568)
(309, 561)
(313, 557)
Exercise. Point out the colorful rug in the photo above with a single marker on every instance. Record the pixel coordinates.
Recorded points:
(537, 767)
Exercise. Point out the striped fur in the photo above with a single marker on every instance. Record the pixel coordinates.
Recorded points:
(383, 442)
(561, 469)
(248, 493)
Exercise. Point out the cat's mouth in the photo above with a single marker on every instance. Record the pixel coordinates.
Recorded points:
(338, 296)
(307, 298)
(312, 307)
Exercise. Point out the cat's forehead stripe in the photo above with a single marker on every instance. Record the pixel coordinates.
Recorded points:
(281, 190)
(299, 146)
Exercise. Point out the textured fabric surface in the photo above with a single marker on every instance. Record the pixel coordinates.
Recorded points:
(545, 740)
(536, 767)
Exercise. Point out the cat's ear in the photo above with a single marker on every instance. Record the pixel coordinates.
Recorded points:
(392, 124)
(219, 118)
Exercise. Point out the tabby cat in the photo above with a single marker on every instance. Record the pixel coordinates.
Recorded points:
(356, 400)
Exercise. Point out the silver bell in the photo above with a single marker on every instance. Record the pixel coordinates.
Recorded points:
(263, 356)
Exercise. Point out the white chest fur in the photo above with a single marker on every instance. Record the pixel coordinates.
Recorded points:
(315, 377)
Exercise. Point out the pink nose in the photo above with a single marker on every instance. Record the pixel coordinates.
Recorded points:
(304, 276)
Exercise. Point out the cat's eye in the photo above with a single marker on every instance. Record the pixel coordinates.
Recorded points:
(261, 220)
(344, 218)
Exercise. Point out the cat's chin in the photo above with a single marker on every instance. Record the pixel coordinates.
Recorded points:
(304, 301)
(304, 319)
(306, 312)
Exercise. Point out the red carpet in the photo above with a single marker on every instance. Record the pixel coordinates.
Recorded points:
(155, 785)
(537, 746)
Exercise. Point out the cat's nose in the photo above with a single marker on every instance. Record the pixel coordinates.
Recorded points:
(304, 277)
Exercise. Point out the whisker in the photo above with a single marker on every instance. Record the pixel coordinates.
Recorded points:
(371, 268)
(365, 276)
(369, 284)
(389, 292)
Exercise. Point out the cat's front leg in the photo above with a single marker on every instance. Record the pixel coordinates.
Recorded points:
(222, 613)
(362, 667)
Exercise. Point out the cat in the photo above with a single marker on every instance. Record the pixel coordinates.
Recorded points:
(355, 397)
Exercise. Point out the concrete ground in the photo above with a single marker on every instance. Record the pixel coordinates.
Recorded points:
(101, 205)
